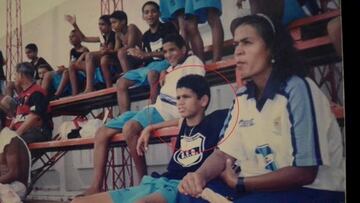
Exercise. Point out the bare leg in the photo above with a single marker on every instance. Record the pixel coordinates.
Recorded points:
(181, 21)
(153, 198)
(197, 44)
(47, 81)
(64, 81)
(153, 78)
(131, 133)
(122, 93)
(73, 80)
(102, 137)
(334, 30)
(122, 56)
(91, 60)
(105, 63)
(217, 34)
(103, 197)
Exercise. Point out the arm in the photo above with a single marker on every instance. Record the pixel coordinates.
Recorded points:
(72, 21)
(31, 121)
(143, 141)
(193, 183)
(282, 179)
(11, 154)
(136, 52)
(134, 37)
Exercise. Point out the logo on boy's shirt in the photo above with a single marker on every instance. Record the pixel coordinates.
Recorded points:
(191, 150)
(246, 123)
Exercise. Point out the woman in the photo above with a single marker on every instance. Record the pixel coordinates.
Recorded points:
(284, 138)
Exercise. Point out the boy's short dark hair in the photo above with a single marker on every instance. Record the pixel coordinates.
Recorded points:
(197, 83)
(46, 66)
(176, 39)
(32, 47)
(25, 68)
(119, 15)
(106, 19)
(152, 3)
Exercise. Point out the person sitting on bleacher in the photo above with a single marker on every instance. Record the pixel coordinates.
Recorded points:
(151, 54)
(32, 121)
(15, 159)
(280, 130)
(196, 130)
(95, 58)
(56, 83)
(31, 51)
(189, 14)
(131, 123)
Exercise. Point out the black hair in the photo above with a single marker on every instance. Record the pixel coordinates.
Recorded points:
(176, 39)
(279, 41)
(2, 119)
(25, 68)
(106, 19)
(2, 60)
(119, 15)
(46, 66)
(32, 47)
(197, 83)
(152, 3)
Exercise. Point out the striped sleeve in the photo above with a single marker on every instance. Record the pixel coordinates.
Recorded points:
(304, 126)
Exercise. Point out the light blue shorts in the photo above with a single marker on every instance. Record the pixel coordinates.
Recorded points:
(98, 76)
(139, 75)
(145, 117)
(169, 9)
(292, 11)
(149, 185)
(199, 8)
(55, 83)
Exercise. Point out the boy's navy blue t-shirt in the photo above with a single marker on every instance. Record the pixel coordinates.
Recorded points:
(197, 144)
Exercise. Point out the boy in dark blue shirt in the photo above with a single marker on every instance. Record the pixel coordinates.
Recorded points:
(196, 140)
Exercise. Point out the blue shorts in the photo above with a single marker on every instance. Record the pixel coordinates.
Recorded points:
(292, 11)
(170, 8)
(98, 76)
(145, 117)
(139, 76)
(149, 185)
(198, 8)
(55, 83)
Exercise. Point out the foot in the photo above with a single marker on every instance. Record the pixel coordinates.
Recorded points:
(87, 91)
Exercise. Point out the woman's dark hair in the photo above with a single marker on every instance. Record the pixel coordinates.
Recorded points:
(106, 19)
(197, 83)
(152, 3)
(279, 41)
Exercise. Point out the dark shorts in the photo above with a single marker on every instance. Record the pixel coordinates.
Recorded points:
(37, 135)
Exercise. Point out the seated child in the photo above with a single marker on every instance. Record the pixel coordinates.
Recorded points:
(196, 140)
(131, 123)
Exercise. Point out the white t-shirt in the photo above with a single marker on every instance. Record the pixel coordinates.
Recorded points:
(166, 101)
(293, 126)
